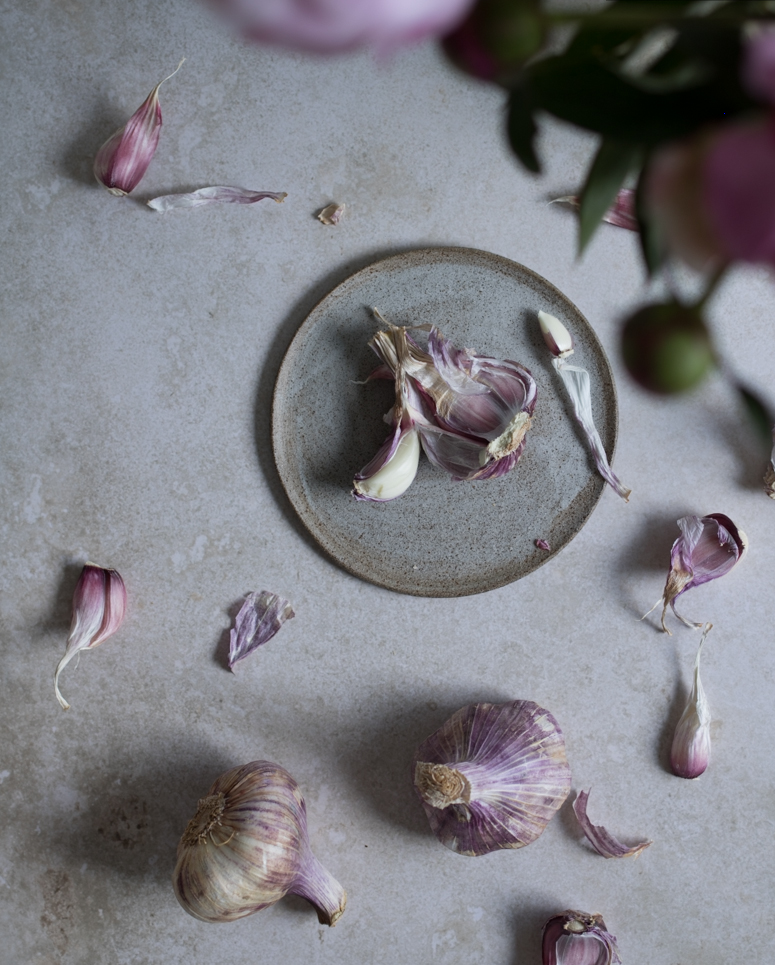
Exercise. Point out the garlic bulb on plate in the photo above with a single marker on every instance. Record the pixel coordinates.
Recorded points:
(246, 847)
(493, 776)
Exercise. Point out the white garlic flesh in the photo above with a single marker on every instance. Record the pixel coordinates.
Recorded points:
(493, 776)
(247, 847)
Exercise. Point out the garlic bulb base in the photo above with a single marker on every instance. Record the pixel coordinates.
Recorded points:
(439, 785)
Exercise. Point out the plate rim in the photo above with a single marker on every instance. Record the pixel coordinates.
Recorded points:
(283, 376)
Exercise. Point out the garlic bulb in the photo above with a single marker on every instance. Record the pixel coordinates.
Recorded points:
(576, 938)
(246, 847)
(493, 776)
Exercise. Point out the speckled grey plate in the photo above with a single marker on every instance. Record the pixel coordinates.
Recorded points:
(441, 538)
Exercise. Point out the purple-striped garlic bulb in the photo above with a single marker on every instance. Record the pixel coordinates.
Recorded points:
(493, 776)
(576, 938)
(247, 846)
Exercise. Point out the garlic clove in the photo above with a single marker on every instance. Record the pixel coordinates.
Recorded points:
(332, 214)
(576, 938)
(690, 751)
(708, 547)
(392, 471)
(123, 159)
(261, 616)
(99, 607)
(601, 840)
(247, 846)
(558, 339)
(492, 777)
(577, 385)
(213, 195)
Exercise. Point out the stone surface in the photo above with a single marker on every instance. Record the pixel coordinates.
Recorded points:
(139, 354)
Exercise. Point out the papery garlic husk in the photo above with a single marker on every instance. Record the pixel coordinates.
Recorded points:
(124, 158)
(259, 619)
(622, 212)
(769, 475)
(479, 409)
(600, 838)
(99, 607)
(576, 938)
(247, 847)
(708, 547)
(332, 214)
(215, 194)
(690, 751)
(493, 776)
(577, 384)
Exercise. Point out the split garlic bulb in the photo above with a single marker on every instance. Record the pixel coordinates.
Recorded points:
(246, 847)
(493, 776)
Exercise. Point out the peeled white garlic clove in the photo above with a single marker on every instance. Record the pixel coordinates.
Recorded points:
(99, 606)
(392, 471)
(576, 938)
(690, 751)
(247, 847)
(493, 776)
(124, 158)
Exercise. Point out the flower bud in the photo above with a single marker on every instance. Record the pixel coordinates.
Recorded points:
(99, 607)
(123, 159)
(576, 938)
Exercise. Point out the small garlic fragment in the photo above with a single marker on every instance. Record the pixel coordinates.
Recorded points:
(690, 751)
(123, 159)
(543, 545)
(602, 840)
(212, 195)
(576, 938)
(332, 214)
(769, 475)
(576, 381)
(622, 212)
(492, 777)
(247, 846)
(261, 616)
(99, 606)
(708, 547)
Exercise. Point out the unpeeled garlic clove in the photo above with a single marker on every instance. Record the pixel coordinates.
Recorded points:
(124, 158)
(261, 616)
(576, 938)
(690, 751)
(602, 840)
(492, 777)
(99, 607)
(708, 547)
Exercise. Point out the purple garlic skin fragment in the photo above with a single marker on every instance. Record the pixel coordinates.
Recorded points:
(708, 547)
(543, 545)
(601, 840)
(576, 938)
(260, 617)
(492, 777)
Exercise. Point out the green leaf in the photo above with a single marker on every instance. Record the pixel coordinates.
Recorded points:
(759, 414)
(652, 241)
(522, 128)
(613, 162)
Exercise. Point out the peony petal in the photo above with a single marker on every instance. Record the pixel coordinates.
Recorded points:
(261, 616)
(601, 840)
(212, 195)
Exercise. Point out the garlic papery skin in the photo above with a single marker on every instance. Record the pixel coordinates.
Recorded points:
(690, 751)
(121, 162)
(492, 777)
(601, 839)
(99, 607)
(247, 846)
(215, 194)
(259, 619)
(576, 938)
(708, 547)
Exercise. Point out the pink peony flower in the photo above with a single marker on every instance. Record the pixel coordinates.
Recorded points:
(334, 25)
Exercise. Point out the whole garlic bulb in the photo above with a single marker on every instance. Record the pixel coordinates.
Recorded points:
(247, 846)
(493, 776)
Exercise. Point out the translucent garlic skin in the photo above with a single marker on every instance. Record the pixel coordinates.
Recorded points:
(493, 776)
(247, 847)
(576, 938)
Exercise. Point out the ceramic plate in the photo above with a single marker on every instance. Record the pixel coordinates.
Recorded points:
(441, 538)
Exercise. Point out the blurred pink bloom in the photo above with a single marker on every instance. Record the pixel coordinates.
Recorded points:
(759, 66)
(333, 25)
(739, 189)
